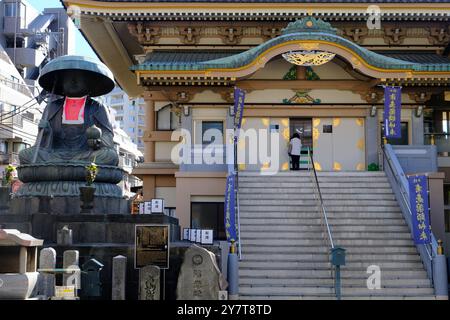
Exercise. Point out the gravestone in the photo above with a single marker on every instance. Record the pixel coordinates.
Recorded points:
(64, 236)
(119, 271)
(200, 277)
(71, 261)
(149, 283)
(47, 282)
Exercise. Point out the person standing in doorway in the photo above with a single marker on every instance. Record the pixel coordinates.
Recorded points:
(295, 147)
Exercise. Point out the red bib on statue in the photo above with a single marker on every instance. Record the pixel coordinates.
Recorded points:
(73, 112)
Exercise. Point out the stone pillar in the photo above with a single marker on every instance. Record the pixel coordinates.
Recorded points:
(417, 128)
(119, 271)
(437, 215)
(372, 146)
(149, 151)
(23, 257)
(149, 182)
(71, 261)
(150, 283)
(47, 281)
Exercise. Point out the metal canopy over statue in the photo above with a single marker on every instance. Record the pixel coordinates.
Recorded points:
(74, 132)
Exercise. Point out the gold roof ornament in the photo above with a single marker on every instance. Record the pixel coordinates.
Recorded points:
(308, 58)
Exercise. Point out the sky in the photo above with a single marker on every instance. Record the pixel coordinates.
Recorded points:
(82, 47)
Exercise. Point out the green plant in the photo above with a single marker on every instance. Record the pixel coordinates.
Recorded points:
(373, 167)
(9, 170)
(91, 173)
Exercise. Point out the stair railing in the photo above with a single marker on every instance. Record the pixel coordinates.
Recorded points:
(399, 185)
(431, 254)
(337, 253)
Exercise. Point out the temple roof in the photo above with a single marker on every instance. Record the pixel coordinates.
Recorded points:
(309, 30)
(162, 60)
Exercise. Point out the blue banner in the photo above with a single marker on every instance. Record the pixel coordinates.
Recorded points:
(392, 112)
(239, 100)
(418, 199)
(230, 209)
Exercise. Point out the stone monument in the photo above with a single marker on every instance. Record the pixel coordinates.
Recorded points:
(47, 281)
(200, 277)
(18, 265)
(149, 283)
(71, 261)
(74, 132)
(119, 273)
(64, 236)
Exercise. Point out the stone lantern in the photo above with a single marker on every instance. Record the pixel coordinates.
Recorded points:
(18, 267)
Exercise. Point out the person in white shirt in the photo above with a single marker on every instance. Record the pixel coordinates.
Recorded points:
(295, 147)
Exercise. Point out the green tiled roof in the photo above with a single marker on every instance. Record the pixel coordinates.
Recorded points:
(192, 61)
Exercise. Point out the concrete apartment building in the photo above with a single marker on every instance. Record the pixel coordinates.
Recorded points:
(129, 114)
(17, 131)
(32, 38)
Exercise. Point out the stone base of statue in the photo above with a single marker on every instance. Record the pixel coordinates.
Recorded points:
(55, 188)
(5, 198)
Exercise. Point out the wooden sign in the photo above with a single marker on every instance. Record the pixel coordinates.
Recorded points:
(152, 246)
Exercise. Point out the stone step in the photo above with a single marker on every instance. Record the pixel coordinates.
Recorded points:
(305, 184)
(322, 273)
(302, 190)
(310, 196)
(273, 290)
(317, 297)
(243, 201)
(248, 227)
(270, 249)
(305, 290)
(309, 177)
(342, 242)
(258, 264)
(362, 282)
(350, 257)
(334, 221)
(315, 214)
(319, 235)
(275, 208)
(319, 173)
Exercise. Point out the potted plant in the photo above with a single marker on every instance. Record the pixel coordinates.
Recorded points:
(5, 190)
(87, 192)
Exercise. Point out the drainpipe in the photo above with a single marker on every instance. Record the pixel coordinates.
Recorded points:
(233, 273)
(440, 273)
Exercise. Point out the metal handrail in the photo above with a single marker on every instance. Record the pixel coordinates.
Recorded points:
(402, 192)
(317, 188)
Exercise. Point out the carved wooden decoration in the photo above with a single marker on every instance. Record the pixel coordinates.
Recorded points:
(371, 96)
(231, 35)
(357, 35)
(189, 35)
(270, 33)
(439, 36)
(394, 35)
(420, 97)
(145, 34)
(178, 96)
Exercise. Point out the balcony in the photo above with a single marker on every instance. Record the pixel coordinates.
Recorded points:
(16, 120)
(442, 142)
(27, 57)
(198, 162)
(22, 88)
(9, 158)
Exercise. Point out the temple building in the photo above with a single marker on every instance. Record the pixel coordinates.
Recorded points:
(313, 67)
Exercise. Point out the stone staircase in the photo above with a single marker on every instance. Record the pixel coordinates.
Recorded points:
(285, 255)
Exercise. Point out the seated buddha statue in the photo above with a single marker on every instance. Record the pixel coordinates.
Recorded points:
(75, 128)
